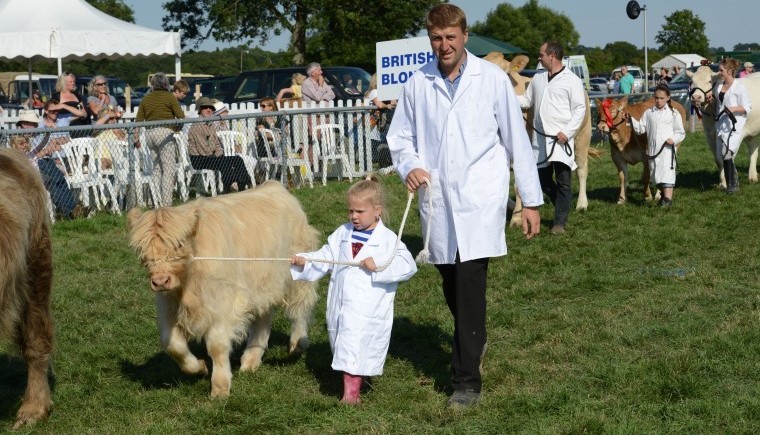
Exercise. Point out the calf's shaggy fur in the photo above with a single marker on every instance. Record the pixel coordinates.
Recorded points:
(26, 273)
(222, 301)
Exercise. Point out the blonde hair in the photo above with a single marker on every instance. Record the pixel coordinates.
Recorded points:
(298, 79)
(369, 189)
(730, 64)
(60, 85)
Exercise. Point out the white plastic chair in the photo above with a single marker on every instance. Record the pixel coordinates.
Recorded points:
(206, 177)
(145, 184)
(118, 173)
(80, 158)
(231, 139)
(275, 147)
(330, 151)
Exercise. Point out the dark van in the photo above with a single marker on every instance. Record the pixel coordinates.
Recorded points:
(252, 86)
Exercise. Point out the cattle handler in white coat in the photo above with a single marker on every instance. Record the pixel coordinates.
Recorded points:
(560, 104)
(458, 124)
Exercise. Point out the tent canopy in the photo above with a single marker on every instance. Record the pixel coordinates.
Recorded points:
(72, 29)
(482, 45)
(679, 60)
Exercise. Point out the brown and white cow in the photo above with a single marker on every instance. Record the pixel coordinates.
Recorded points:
(582, 137)
(26, 274)
(703, 80)
(223, 301)
(627, 147)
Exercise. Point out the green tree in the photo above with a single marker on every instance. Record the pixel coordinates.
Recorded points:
(747, 46)
(683, 32)
(346, 31)
(623, 53)
(528, 26)
(115, 8)
(342, 31)
(509, 24)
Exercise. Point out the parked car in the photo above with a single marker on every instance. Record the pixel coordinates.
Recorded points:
(14, 87)
(638, 78)
(598, 84)
(216, 87)
(252, 86)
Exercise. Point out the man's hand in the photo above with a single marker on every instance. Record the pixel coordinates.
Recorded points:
(561, 137)
(416, 178)
(531, 222)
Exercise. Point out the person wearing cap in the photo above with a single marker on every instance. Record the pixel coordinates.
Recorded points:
(206, 152)
(39, 150)
(749, 68)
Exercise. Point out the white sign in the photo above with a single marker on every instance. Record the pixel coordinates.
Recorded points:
(397, 61)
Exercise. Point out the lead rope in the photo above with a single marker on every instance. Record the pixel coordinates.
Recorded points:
(422, 257)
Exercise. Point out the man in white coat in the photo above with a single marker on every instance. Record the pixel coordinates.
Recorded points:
(458, 124)
(559, 101)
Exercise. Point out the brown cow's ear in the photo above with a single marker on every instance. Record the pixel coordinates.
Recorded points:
(132, 216)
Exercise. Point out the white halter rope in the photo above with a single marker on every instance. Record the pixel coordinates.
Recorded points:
(422, 257)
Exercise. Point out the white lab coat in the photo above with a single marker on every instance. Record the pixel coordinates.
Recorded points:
(560, 105)
(736, 95)
(661, 125)
(466, 145)
(359, 303)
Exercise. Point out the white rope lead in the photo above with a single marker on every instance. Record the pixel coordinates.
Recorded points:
(422, 257)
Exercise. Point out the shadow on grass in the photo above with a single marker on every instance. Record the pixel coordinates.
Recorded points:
(13, 380)
(697, 180)
(161, 372)
(425, 347)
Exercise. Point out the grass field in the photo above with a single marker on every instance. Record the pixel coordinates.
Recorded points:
(637, 320)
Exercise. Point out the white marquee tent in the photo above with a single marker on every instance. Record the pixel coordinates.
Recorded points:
(72, 29)
(679, 60)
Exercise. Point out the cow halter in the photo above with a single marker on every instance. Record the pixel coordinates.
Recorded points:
(608, 118)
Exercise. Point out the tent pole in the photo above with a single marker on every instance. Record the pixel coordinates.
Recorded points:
(30, 85)
(177, 67)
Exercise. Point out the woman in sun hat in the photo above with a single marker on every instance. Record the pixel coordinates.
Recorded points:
(749, 68)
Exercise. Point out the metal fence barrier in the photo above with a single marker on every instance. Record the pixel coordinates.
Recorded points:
(114, 167)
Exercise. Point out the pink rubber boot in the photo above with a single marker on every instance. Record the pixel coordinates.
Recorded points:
(352, 385)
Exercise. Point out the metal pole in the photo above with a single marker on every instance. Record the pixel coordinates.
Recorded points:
(646, 52)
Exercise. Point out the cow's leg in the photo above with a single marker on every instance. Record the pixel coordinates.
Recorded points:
(646, 179)
(219, 346)
(298, 310)
(582, 144)
(582, 177)
(36, 340)
(258, 339)
(752, 147)
(516, 220)
(173, 339)
(712, 142)
(622, 168)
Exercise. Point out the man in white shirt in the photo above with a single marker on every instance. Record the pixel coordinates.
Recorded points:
(441, 132)
(559, 103)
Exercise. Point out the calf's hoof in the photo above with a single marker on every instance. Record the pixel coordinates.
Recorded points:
(31, 413)
(219, 392)
(299, 346)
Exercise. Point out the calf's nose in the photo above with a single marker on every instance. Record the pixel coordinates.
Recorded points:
(159, 280)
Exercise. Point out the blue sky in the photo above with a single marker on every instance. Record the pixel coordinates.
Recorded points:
(598, 22)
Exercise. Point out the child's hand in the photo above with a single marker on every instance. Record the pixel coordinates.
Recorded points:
(297, 260)
(368, 264)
